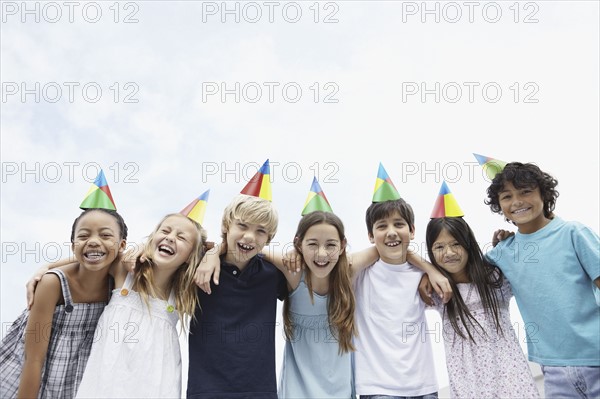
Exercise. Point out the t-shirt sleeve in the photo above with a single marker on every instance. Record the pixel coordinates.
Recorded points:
(282, 290)
(587, 247)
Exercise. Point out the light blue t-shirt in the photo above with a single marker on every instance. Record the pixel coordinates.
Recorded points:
(551, 273)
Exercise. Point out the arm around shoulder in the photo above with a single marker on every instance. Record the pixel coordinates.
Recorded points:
(288, 264)
(37, 276)
(360, 260)
(438, 281)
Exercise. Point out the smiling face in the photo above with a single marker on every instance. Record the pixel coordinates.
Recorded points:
(523, 206)
(391, 236)
(451, 256)
(244, 241)
(96, 240)
(172, 243)
(321, 248)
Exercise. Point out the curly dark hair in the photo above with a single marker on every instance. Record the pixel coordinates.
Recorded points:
(523, 175)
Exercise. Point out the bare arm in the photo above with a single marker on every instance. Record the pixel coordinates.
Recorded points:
(425, 290)
(47, 295)
(210, 267)
(37, 276)
(362, 259)
(440, 284)
(289, 271)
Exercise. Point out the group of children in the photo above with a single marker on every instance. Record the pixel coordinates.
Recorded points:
(352, 321)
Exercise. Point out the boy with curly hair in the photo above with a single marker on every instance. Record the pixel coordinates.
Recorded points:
(554, 269)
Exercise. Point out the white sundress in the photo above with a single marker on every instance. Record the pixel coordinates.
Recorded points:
(136, 352)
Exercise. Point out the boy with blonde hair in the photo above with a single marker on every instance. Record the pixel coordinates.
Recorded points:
(232, 339)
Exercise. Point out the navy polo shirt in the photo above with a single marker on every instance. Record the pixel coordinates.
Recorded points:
(232, 341)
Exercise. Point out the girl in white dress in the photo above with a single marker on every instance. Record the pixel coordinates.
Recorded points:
(136, 349)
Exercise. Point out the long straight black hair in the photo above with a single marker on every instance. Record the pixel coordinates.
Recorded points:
(486, 277)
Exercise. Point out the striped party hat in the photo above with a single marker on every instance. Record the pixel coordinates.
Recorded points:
(99, 196)
(260, 185)
(316, 200)
(197, 208)
(446, 205)
(384, 188)
(491, 166)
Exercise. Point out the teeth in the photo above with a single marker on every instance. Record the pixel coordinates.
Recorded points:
(393, 243)
(321, 263)
(94, 254)
(166, 249)
(520, 210)
(246, 247)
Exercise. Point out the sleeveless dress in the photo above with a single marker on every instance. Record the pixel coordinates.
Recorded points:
(136, 352)
(70, 341)
(312, 366)
(494, 366)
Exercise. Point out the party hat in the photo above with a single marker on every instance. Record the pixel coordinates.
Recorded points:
(260, 185)
(491, 166)
(99, 196)
(316, 200)
(197, 208)
(446, 205)
(384, 188)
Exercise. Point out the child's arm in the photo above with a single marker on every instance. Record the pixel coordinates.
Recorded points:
(425, 290)
(362, 259)
(37, 276)
(123, 263)
(500, 235)
(440, 284)
(210, 266)
(291, 275)
(37, 335)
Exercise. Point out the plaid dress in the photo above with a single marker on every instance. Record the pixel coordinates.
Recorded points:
(70, 341)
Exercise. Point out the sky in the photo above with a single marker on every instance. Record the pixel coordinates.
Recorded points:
(171, 99)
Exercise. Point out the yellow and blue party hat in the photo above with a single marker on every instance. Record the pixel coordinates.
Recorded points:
(260, 185)
(446, 205)
(197, 208)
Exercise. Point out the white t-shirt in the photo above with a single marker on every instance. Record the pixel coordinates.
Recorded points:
(393, 353)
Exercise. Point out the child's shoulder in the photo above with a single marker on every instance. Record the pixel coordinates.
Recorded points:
(48, 289)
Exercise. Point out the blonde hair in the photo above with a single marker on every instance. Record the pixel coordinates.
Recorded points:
(253, 210)
(182, 280)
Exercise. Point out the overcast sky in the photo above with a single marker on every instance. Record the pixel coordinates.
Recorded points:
(174, 98)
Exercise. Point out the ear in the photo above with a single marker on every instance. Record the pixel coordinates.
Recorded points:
(371, 238)
(344, 244)
(412, 234)
(122, 245)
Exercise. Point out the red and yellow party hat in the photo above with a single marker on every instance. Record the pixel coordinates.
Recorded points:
(99, 196)
(384, 188)
(446, 205)
(197, 208)
(316, 200)
(260, 185)
(491, 166)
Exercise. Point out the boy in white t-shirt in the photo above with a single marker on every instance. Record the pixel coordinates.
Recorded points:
(393, 355)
